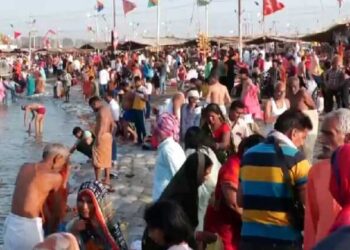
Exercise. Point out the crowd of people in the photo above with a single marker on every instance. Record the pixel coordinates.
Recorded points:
(235, 144)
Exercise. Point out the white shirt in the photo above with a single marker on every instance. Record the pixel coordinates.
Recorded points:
(103, 76)
(182, 246)
(239, 131)
(149, 88)
(76, 65)
(170, 158)
(192, 73)
(115, 108)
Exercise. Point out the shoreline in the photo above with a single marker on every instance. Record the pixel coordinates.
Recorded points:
(132, 194)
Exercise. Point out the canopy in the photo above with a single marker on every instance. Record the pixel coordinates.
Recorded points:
(269, 39)
(326, 36)
(95, 46)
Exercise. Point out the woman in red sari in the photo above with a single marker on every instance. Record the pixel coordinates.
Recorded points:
(218, 129)
(224, 216)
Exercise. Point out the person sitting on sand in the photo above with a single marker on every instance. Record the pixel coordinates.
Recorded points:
(38, 111)
(95, 227)
(85, 140)
(35, 182)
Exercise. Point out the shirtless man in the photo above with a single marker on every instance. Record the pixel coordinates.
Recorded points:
(35, 183)
(300, 99)
(218, 93)
(38, 111)
(102, 148)
(127, 102)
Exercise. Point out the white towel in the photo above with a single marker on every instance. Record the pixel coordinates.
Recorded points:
(22, 233)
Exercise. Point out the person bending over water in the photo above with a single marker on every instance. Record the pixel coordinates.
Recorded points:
(36, 182)
(38, 111)
(84, 143)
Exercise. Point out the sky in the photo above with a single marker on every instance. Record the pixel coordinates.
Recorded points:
(181, 18)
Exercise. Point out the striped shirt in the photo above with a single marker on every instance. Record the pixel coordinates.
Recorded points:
(266, 195)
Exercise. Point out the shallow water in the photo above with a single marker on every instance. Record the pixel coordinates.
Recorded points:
(17, 147)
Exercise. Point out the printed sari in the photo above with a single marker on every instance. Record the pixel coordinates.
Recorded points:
(107, 235)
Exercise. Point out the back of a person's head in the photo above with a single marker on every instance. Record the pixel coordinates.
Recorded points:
(58, 241)
(170, 218)
(93, 99)
(249, 142)
(237, 104)
(55, 149)
(292, 119)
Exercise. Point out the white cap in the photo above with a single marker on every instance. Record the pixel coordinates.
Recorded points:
(193, 93)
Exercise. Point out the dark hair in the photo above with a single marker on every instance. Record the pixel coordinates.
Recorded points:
(195, 138)
(213, 107)
(292, 119)
(244, 71)
(170, 218)
(238, 104)
(249, 142)
(94, 99)
(214, 74)
(76, 130)
(137, 79)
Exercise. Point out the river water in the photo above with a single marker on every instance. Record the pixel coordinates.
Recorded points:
(17, 147)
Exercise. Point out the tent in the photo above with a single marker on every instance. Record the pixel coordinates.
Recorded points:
(95, 46)
(269, 39)
(326, 36)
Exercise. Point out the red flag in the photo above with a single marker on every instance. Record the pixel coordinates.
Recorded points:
(272, 6)
(128, 6)
(16, 34)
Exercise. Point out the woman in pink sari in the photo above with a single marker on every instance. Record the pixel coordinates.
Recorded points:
(250, 95)
(2, 91)
(340, 185)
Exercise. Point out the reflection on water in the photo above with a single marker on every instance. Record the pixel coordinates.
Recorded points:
(17, 147)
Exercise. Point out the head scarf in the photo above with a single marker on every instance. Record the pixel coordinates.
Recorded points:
(109, 230)
(58, 241)
(183, 188)
(169, 126)
(340, 185)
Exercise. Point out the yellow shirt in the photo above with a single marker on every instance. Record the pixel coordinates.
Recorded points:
(139, 103)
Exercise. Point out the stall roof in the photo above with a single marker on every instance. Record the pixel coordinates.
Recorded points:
(269, 39)
(326, 36)
(95, 46)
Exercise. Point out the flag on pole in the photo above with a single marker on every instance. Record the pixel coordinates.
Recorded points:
(272, 6)
(128, 6)
(99, 5)
(203, 2)
(16, 34)
(152, 3)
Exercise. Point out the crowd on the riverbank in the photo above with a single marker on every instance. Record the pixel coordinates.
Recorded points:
(235, 144)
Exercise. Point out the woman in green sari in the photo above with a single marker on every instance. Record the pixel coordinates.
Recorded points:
(30, 85)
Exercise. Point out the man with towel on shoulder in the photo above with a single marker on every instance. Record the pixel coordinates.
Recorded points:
(36, 182)
(102, 148)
